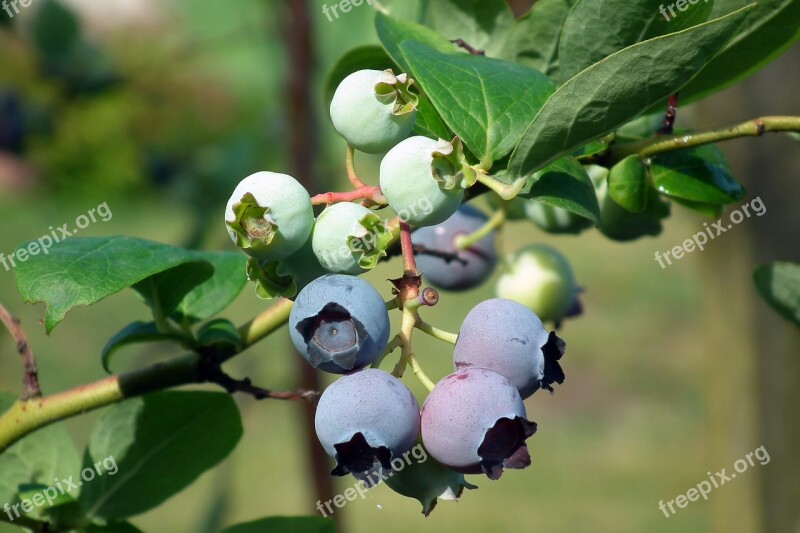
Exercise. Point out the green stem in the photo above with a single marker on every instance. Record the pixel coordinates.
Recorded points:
(407, 357)
(437, 333)
(350, 167)
(267, 322)
(497, 219)
(506, 191)
(25, 522)
(660, 144)
(24, 417)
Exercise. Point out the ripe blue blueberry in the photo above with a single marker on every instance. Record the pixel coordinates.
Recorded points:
(424, 180)
(374, 110)
(269, 216)
(349, 238)
(474, 264)
(540, 278)
(508, 338)
(339, 323)
(474, 421)
(365, 420)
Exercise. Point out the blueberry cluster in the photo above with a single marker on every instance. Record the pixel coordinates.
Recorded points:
(474, 420)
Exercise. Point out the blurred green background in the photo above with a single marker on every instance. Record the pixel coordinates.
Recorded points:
(160, 108)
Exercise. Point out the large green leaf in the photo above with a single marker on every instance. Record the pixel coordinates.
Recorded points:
(83, 271)
(166, 289)
(595, 30)
(161, 443)
(564, 184)
(617, 89)
(487, 102)
(768, 30)
(698, 175)
(215, 294)
(282, 524)
(533, 40)
(38, 458)
(779, 285)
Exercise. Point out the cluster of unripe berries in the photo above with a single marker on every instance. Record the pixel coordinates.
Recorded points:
(474, 420)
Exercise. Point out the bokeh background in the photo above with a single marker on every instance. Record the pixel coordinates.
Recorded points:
(159, 108)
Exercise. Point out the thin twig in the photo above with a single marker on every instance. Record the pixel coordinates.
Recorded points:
(409, 263)
(30, 379)
(245, 386)
(461, 43)
(670, 115)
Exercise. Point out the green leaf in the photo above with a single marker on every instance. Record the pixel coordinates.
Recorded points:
(595, 30)
(487, 102)
(768, 30)
(38, 458)
(215, 294)
(160, 444)
(55, 29)
(564, 184)
(282, 524)
(483, 24)
(393, 32)
(83, 271)
(165, 290)
(698, 175)
(707, 210)
(627, 184)
(221, 334)
(429, 123)
(779, 285)
(619, 224)
(115, 527)
(533, 40)
(135, 333)
(617, 89)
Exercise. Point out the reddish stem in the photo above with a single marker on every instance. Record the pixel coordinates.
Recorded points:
(366, 192)
(409, 263)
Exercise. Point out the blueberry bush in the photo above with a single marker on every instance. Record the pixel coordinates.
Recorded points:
(561, 115)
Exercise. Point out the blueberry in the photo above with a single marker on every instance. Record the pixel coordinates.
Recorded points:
(474, 264)
(365, 420)
(423, 180)
(508, 338)
(339, 323)
(540, 278)
(349, 238)
(374, 110)
(269, 216)
(474, 421)
(555, 219)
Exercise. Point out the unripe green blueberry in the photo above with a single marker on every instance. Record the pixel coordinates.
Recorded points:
(374, 110)
(269, 216)
(555, 219)
(540, 278)
(426, 480)
(349, 239)
(424, 180)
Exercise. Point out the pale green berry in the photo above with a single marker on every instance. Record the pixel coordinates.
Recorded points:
(424, 180)
(269, 216)
(349, 239)
(540, 278)
(374, 110)
(555, 219)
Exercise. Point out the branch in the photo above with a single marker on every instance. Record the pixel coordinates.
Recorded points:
(659, 144)
(27, 416)
(214, 374)
(30, 379)
(366, 192)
